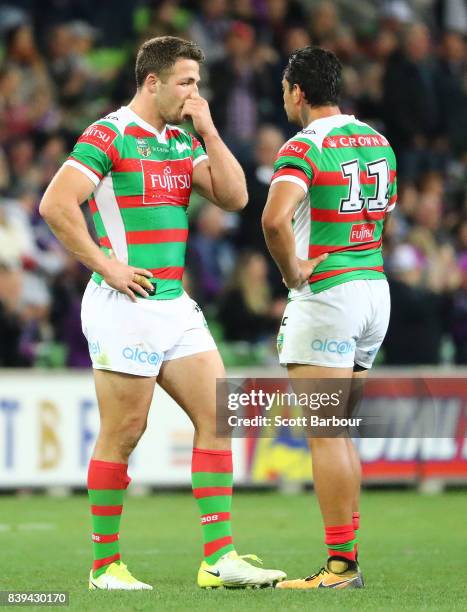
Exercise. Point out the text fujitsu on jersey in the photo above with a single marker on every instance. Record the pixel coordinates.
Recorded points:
(348, 173)
(143, 184)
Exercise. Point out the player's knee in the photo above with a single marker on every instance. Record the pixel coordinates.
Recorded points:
(205, 425)
(126, 434)
(133, 430)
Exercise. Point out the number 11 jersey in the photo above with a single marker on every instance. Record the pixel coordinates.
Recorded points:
(347, 171)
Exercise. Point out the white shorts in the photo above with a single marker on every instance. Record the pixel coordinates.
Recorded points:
(338, 327)
(137, 337)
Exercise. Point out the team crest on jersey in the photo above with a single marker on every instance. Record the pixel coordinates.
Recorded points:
(143, 147)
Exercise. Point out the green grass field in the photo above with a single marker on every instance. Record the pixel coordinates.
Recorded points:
(413, 551)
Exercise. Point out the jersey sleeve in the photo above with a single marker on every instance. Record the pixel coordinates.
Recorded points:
(392, 194)
(198, 152)
(96, 151)
(294, 163)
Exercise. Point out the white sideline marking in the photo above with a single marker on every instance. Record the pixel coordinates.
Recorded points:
(35, 526)
(5, 527)
(151, 551)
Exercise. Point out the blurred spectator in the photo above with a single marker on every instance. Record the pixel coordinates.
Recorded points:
(458, 316)
(14, 240)
(258, 175)
(416, 308)
(37, 332)
(324, 24)
(10, 324)
(279, 16)
(67, 290)
(295, 38)
(246, 309)
(452, 83)
(4, 172)
(239, 86)
(28, 88)
(209, 28)
(411, 107)
(68, 45)
(23, 169)
(210, 257)
(168, 19)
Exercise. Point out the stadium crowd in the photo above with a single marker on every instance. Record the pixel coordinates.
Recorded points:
(63, 65)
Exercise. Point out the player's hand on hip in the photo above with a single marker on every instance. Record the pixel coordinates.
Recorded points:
(306, 268)
(197, 108)
(128, 279)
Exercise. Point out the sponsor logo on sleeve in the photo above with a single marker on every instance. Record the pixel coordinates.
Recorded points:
(294, 149)
(99, 136)
(362, 232)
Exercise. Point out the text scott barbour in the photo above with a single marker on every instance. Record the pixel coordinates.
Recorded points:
(301, 421)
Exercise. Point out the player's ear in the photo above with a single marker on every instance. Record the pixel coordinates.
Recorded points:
(153, 83)
(297, 94)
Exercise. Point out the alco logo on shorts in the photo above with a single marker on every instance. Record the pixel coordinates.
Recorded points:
(341, 347)
(136, 354)
(167, 181)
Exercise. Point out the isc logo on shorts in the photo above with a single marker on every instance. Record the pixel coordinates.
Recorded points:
(342, 347)
(139, 356)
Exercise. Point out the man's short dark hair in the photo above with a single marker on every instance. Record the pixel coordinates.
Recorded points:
(318, 73)
(159, 54)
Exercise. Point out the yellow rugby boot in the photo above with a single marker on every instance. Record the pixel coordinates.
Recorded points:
(338, 574)
(117, 577)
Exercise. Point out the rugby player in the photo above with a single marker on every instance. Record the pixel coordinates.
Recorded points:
(137, 169)
(333, 186)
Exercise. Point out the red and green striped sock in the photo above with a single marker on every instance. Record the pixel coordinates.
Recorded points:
(356, 527)
(340, 540)
(106, 487)
(212, 479)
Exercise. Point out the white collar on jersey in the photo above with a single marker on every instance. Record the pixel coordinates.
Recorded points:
(332, 120)
(161, 136)
(318, 129)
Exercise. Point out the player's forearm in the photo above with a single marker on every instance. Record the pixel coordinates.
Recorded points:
(67, 222)
(280, 241)
(228, 178)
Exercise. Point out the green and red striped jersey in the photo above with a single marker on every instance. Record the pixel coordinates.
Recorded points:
(143, 184)
(347, 171)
